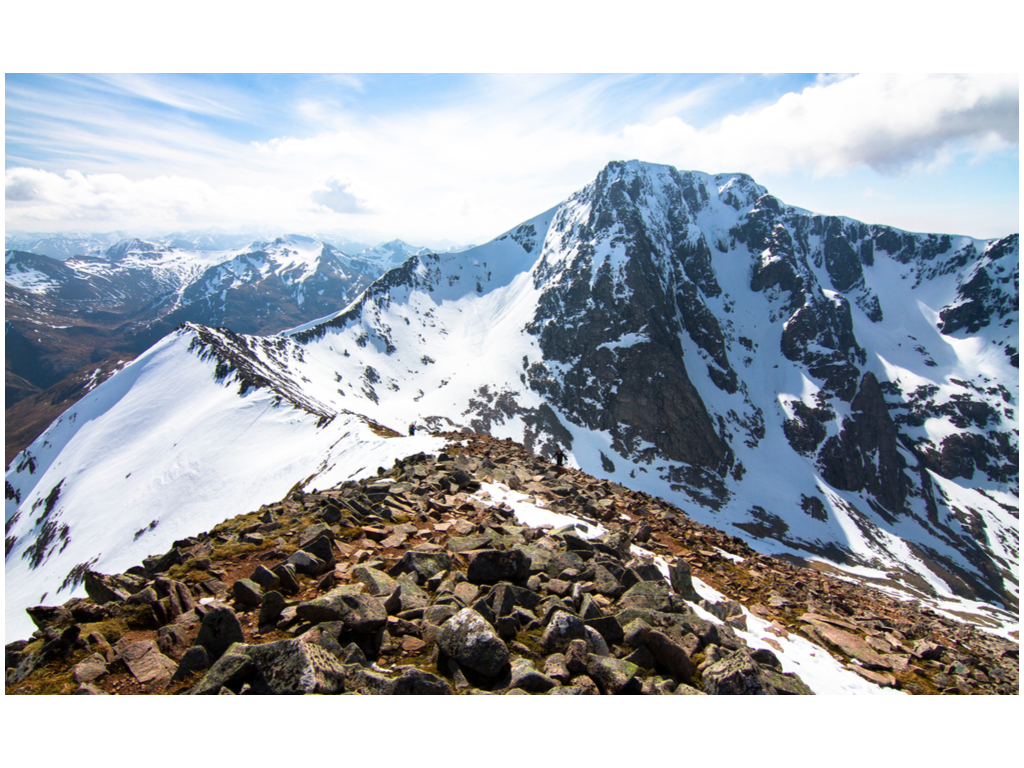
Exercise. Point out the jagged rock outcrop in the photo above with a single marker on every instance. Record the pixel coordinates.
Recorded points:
(865, 454)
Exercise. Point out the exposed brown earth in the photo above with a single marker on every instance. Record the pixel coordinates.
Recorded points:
(406, 584)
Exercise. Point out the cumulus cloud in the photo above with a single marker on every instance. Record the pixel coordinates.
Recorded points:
(339, 198)
(21, 187)
(40, 196)
(889, 123)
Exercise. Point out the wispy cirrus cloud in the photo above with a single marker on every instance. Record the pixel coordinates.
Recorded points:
(193, 97)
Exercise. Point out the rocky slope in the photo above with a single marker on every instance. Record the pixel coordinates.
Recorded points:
(841, 393)
(421, 581)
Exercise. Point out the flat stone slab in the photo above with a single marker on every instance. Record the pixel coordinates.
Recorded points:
(852, 645)
(148, 665)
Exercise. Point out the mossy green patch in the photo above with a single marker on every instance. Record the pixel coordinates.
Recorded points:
(234, 551)
(111, 629)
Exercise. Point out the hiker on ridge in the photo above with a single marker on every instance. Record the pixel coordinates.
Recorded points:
(559, 456)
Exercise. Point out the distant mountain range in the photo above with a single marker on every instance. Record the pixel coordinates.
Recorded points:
(67, 313)
(686, 335)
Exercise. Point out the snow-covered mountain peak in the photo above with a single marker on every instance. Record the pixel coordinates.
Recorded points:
(134, 247)
(833, 391)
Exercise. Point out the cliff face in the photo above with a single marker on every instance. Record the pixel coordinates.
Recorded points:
(865, 455)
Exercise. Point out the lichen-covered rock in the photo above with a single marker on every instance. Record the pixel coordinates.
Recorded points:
(473, 643)
(649, 596)
(422, 564)
(736, 675)
(295, 667)
(270, 609)
(44, 616)
(418, 682)
(526, 677)
(195, 659)
(90, 668)
(682, 580)
(671, 655)
(103, 589)
(233, 669)
(377, 583)
(172, 641)
(561, 630)
(614, 676)
(148, 665)
(306, 563)
(266, 578)
(359, 613)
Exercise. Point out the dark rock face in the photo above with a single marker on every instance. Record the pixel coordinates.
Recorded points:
(643, 389)
(989, 294)
(865, 455)
(842, 262)
(806, 430)
(827, 324)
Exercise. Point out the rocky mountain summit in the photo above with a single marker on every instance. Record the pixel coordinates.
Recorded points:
(424, 580)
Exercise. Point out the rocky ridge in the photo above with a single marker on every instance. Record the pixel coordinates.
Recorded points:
(416, 582)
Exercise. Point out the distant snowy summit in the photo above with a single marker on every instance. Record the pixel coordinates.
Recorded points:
(841, 393)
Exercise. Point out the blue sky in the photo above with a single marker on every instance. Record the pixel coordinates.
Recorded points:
(433, 158)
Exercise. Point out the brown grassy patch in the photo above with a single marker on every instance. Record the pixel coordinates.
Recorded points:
(51, 679)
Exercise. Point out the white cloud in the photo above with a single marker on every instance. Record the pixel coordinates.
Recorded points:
(36, 196)
(502, 151)
(192, 98)
(337, 195)
(889, 123)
